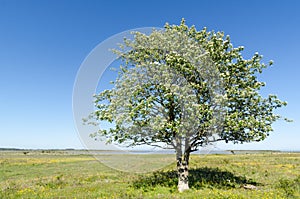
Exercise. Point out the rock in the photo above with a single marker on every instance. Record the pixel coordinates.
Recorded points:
(249, 186)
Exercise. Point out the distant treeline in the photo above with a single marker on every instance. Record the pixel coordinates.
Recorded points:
(17, 149)
(10, 149)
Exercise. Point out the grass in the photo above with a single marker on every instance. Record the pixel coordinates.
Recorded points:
(60, 174)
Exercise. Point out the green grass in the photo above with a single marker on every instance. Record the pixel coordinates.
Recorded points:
(66, 175)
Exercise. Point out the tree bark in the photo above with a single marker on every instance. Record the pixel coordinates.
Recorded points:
(183, 171)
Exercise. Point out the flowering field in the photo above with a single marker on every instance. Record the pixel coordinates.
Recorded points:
(65, 174)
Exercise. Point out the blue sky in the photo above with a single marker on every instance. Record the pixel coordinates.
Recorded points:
(43, 43)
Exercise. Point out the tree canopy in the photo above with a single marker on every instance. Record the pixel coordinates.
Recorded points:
(180, 81)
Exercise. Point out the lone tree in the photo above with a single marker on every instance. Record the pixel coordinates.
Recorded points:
(180, 88)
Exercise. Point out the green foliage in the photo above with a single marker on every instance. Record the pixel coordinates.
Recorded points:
(290, 187)
(56, 183)
(182, 84)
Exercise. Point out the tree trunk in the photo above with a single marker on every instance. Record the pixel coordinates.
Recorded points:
(183, 171)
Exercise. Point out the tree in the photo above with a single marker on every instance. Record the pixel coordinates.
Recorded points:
(180, 88)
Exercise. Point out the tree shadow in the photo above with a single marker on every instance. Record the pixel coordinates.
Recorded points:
(198, 178)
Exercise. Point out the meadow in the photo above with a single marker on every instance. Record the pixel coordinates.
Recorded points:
(67, 174)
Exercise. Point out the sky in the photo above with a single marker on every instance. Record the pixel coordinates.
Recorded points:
(43, 44)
